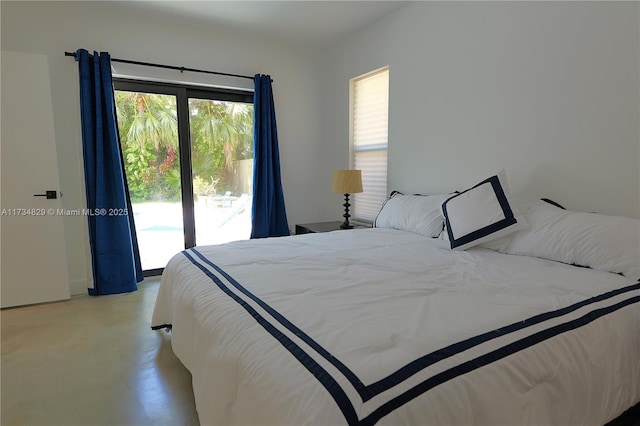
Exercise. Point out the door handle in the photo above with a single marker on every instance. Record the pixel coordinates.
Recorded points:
(51, 195)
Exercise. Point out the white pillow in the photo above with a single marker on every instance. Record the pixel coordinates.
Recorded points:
(605, 243)
(502, 244)
(413, 213)
(481, 213)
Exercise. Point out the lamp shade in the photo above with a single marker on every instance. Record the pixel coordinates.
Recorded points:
(347, 181)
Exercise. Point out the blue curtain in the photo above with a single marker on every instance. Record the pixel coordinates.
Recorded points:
(269, 218)
(114, 247)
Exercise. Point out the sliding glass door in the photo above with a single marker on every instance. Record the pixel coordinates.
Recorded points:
(150, 148)
(222, 169)
(188, 155)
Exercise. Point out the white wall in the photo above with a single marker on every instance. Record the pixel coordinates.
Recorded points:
(51, 28)
(548, 91)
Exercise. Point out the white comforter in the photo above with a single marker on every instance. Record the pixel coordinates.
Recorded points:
(382, 326)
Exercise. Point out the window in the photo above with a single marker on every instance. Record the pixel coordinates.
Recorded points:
(369, 140)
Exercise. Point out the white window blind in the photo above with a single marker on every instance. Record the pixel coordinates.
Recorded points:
(369, 137)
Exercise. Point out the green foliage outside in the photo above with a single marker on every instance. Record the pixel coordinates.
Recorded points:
(221, 133)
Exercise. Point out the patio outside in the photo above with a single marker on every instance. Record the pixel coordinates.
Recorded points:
(218, 220)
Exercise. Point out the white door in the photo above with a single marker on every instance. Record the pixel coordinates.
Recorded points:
(33, 266)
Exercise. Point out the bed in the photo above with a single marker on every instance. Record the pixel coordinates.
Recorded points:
(394, 325)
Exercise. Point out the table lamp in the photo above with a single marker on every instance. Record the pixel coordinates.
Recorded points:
(347, 182)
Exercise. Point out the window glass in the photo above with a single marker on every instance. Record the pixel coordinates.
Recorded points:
(369, 140)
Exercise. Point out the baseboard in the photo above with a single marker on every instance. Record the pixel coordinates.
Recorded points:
(77, 288)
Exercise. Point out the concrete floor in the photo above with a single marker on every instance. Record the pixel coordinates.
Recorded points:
(92, 361)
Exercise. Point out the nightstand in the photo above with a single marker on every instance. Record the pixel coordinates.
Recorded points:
(312, 228)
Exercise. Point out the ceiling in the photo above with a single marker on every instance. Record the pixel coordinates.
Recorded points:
(304, 23)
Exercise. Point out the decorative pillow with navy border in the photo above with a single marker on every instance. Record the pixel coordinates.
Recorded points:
(482, 213)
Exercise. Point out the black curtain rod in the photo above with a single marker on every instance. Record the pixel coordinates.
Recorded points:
(171, 67)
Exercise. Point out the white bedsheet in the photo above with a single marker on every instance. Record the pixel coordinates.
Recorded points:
(387, 327)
